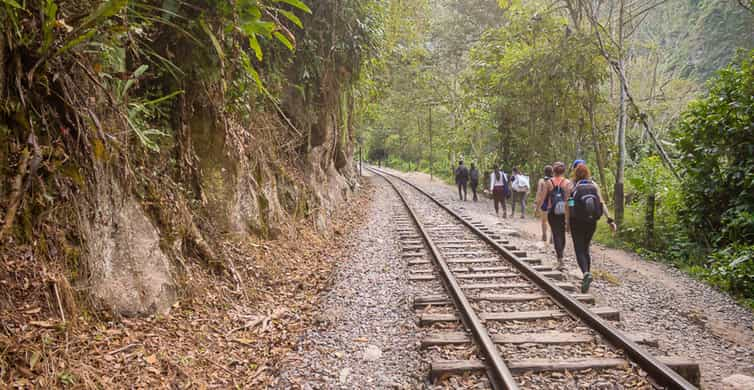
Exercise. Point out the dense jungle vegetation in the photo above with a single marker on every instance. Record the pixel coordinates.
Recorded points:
(655, 95)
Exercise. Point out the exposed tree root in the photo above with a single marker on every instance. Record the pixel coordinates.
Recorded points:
(15, 195)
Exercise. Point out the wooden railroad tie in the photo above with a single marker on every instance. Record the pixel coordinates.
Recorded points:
(427, 319)
(495, 275)
(549, 338)
(485, 286)
(441, 300)
(414, 254)
(684, 367)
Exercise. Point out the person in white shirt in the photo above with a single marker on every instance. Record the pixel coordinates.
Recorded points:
(500, 190)
(520, 186)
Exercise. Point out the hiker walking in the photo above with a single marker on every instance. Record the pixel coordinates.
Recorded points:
(474, 180)
(500, 190)
(557, 189)
(462, 177)
(520, 186)
(585, 207)
(541, 201)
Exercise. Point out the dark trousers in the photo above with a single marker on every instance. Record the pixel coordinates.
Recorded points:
(498, 196)
(474, 185)
(462, 186)
(582, 233)
(557, 226)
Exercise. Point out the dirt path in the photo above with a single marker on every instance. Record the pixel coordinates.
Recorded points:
(688, 317)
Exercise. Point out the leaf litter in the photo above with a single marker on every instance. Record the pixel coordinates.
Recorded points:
(214, 337)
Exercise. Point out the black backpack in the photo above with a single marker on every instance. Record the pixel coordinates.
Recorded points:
(587, 205)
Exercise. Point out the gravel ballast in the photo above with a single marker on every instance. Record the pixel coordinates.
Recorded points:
(366, 336)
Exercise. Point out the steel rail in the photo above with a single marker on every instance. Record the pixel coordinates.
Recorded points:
(498, 373)
(660, 372)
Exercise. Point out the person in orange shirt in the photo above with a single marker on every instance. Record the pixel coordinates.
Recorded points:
(585, 207)
(540, 201)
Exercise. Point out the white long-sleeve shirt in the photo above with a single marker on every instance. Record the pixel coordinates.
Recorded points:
(494, 182)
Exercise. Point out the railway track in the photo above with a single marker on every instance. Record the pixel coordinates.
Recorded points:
(496, 313)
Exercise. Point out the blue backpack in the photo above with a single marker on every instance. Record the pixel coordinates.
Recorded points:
(557, 199)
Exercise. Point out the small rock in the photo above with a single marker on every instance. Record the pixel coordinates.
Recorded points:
(344, 373)
(738, 382)
(372, 353)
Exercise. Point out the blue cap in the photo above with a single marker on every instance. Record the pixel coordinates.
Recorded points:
(577, 162)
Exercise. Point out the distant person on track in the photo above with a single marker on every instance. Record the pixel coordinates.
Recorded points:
(462, 177)
(474, 180)
(585, 207)
(520, 186)
(500, 190)
(557, 189)
(541, 201)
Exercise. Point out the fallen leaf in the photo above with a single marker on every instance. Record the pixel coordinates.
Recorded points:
(43, 324)
(151, 359)
(244, 341)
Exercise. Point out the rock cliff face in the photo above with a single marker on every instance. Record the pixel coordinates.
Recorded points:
(129, 272)
(247, 189)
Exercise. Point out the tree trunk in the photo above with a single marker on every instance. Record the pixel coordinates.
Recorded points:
(650, 221)
(598, 148)
(621, 166)
(2, 68)
(621, 133)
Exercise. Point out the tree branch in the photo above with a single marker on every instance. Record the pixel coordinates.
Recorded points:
(749, 7)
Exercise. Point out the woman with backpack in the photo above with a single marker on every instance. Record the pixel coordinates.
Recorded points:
(540, 200)
(585, 207)
(557, 189)
(499, 189)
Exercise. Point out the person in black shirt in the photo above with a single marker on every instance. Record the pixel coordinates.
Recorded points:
(462, 177)
(474, 180)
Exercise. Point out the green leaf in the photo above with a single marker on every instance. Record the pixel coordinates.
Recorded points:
(259, 27)
(75, 42)
(296, 3)
(246, 61)
(130, 82)
(292, 17)
(254, 43)
(50, 15)
(104, 11)
(163, 98)
(12, 3)
(282, 38)
(213, 38)
(140, 71)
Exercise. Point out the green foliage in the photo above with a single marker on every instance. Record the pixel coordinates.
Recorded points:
(537, 79)
(732, 269)
(134, 48)
(716, 146)
(700, 37)
(706, 223)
